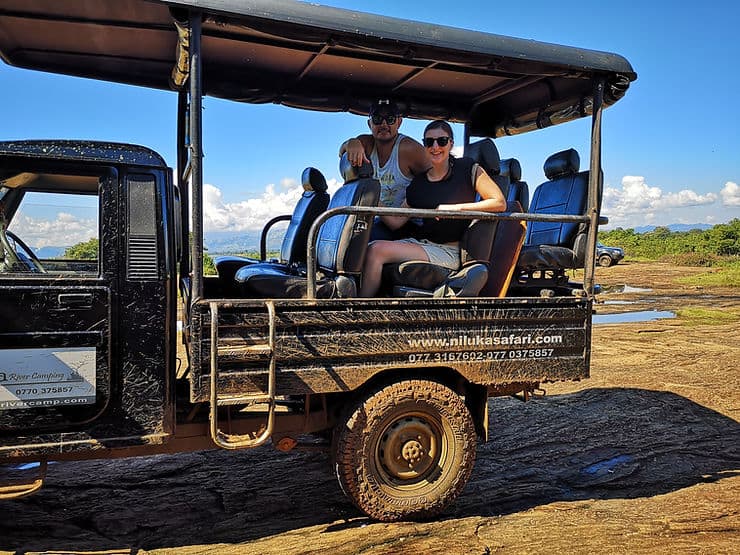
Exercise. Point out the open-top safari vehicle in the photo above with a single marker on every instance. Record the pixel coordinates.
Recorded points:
(395, 387)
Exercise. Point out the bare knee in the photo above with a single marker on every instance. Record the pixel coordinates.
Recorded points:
(380, 251)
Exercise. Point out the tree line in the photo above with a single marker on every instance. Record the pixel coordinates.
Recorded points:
(702, 247)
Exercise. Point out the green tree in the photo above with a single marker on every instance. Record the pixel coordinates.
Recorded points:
(83, 251)
(209, 268)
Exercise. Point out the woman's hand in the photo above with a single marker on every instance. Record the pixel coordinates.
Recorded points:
(454, 207)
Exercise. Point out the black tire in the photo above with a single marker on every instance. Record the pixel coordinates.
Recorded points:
(605, 260)
(406, 451)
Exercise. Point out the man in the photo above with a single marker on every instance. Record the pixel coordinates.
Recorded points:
(396, 159)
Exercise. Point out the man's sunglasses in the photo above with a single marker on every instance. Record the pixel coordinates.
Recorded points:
(390, 119)
(441, 141)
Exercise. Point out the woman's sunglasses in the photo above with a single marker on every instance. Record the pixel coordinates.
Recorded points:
(378, 119)
(441, 141)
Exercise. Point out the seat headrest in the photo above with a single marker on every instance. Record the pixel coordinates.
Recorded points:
(566, 162)
(485, 153)
(512, 169)
(350, 172)
(313, 180)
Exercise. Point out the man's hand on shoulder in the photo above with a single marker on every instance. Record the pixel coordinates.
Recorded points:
(413, 157)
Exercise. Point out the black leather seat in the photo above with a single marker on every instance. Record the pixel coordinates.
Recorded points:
(421, 278)
(313, 202)
(485, 153)
(552, 247)
(340, 249)
(489, 251)
(507, 246)
(518, 189)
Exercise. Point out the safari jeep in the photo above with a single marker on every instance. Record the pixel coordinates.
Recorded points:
(94, 362)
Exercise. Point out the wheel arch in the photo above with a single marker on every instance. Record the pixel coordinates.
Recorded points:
(475, 395)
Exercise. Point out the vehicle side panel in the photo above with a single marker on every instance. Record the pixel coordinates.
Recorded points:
(325, 346)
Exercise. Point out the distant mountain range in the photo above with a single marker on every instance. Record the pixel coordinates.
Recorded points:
(673, 227)
(233, 242)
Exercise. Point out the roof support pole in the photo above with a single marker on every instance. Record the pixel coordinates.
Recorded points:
(196, 155)
(182, 178)
(595, 184)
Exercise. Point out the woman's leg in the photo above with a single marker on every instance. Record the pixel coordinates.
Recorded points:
(386, 252)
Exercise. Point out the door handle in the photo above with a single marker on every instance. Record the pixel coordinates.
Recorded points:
(75, 300)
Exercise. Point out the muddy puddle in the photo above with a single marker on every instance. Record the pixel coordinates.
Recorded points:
(632, 317)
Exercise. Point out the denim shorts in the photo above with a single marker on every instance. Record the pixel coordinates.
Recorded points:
(447, 255)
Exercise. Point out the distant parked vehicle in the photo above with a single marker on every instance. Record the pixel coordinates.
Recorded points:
(606, 256)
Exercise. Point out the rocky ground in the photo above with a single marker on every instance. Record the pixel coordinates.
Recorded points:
(644, 457)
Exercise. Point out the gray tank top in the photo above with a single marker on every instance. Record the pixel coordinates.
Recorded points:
(393, 182)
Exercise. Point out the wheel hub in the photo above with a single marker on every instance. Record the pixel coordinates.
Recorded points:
(412, 451)
(409, 449)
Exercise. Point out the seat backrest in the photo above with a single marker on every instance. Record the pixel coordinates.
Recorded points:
(313, 202)
(507, 244)
(566, 192)
(343, 239)
(518, 189)
(485, 154)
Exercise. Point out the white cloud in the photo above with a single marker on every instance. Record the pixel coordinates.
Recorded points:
(730, 194)
(251, 214)
(637, 203)
(64, 231)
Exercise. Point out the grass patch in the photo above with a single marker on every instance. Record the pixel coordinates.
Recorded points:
(706, 317)
(726, 275)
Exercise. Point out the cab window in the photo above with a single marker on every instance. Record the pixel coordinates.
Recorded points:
(51, 233)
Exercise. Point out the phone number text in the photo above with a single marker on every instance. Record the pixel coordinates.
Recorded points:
(480, 356)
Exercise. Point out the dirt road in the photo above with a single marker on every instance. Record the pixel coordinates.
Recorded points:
(644, 457)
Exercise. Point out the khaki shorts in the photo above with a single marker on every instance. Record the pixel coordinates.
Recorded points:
(447, 255)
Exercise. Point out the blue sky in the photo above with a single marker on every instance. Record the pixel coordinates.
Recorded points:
(671, 147)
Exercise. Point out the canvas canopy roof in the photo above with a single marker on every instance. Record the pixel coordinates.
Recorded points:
(315, 57)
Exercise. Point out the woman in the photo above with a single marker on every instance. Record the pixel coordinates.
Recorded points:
(450, 184)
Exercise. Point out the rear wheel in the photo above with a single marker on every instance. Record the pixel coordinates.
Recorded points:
(406, 451)
(605, 260)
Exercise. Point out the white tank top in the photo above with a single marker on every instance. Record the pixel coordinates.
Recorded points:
(393, 182)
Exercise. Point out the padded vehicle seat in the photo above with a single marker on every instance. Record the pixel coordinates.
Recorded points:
(340, 249)
(518, 189)
(489, 252)
(552, 247)
(485, 153)
(313, 202)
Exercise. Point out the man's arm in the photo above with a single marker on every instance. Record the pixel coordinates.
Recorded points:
(394, 222)
(358, 149)
(413, 157)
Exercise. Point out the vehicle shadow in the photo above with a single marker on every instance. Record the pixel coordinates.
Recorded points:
(596, 443)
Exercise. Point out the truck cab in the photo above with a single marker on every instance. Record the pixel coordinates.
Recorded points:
(86, 343)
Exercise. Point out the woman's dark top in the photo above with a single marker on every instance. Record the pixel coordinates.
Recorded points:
(456, 188)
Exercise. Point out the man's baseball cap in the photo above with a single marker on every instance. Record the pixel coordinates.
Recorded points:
(384, 106)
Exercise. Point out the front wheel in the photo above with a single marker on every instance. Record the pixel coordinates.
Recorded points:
(406, 451)
(605, 260)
